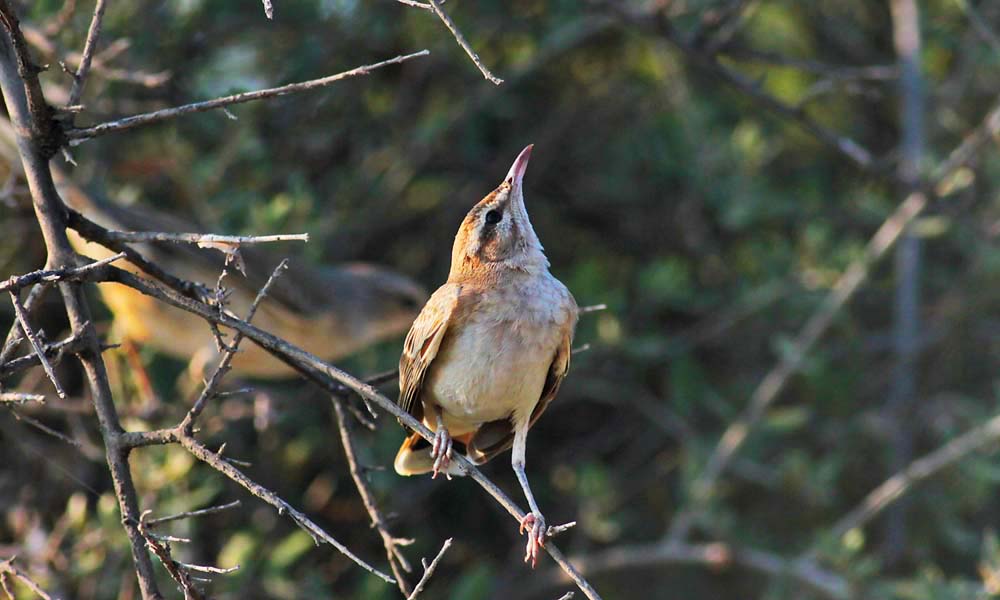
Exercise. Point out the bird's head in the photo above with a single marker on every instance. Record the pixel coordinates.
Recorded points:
(496, 234)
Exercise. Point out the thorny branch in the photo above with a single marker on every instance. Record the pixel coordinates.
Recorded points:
(78, 135)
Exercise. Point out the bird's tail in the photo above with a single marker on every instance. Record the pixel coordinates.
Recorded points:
(414, 457)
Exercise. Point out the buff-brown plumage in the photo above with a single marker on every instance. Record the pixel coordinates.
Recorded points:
(488, 351)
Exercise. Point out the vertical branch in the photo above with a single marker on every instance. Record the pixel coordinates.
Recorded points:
(906, 307)
(396, 560)
(26, 105)
(93, 35)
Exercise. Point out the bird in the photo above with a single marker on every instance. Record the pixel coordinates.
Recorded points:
(332, 311)
(489, 350)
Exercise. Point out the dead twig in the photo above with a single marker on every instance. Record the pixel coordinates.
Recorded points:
(317, 533)
(20, 398)
(193, 513)
(206, 240)
(78, 135)
(54, 275)
(436, 7)
(36, 344)
(187, 425)
(89, 47)
(161, 549)
(429, 568)
(397, 562)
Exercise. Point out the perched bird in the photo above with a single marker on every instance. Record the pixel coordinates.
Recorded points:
(488, 351)
(331, 312)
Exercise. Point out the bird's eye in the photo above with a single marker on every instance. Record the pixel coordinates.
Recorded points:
(493, 217)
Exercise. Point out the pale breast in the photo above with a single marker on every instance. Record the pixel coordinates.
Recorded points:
(495, 364)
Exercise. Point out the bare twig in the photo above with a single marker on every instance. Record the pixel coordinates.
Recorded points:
(202, 239)
(436, 7)
(46, 429)
(7, 566)
(78, 135)
(223, 466)
(268, 9)
(567, 596)
(193, 513)
(53, 275)
(161, 549)
(93, 35)
(95, 233)
(397, 562)
(36, 344)
(593, 308)
(429, 568)
(187, 425)
(20, 398)
(14, 336)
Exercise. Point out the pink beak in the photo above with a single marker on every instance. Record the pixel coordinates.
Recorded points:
(516, 173)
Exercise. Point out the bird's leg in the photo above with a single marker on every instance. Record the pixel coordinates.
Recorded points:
(533, 522)
(441, 449)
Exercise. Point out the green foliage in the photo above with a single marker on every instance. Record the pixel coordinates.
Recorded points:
(711, 228)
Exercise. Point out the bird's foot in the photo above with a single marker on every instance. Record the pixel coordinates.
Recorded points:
(534, 524)
(441, 452)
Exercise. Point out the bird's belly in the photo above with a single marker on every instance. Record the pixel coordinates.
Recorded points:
(495, 374)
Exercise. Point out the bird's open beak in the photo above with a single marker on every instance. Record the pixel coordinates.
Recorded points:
(516, 173)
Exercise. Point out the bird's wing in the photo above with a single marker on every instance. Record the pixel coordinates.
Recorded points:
(495, 437)
(422, 345)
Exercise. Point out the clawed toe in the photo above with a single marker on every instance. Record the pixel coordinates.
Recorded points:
(441, 452)
(534, 525)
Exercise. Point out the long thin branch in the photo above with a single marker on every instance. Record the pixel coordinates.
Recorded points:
(397, 562)
(193, 513)
(436, 7)
(139, 237)
(89, 47)
(75, 136)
